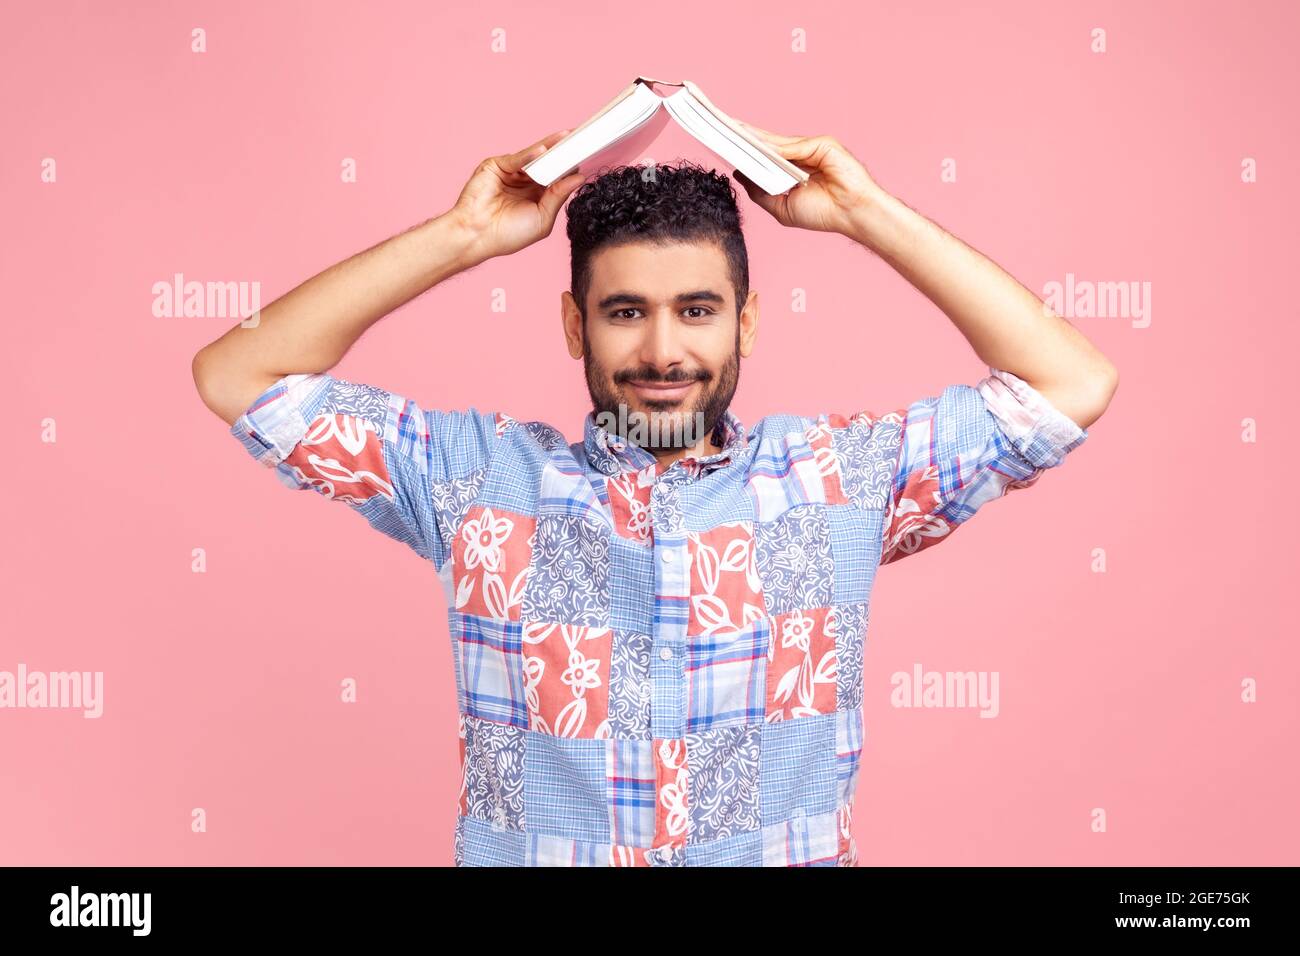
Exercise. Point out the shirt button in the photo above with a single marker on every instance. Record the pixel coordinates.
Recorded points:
(666, 556)
(666, 653)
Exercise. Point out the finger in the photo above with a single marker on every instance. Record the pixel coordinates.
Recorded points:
(797, 149)
(558, 191)
(514, 162)
(802, 151)
(550, 139)
(768, 134)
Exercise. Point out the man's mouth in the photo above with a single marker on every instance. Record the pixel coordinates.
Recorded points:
(662, 391)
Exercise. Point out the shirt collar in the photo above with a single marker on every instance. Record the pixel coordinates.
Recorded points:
(612, 455)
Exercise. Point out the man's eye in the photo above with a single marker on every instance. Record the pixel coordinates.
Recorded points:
(704, 312)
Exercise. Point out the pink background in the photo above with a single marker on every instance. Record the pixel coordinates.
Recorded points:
(1118, 690)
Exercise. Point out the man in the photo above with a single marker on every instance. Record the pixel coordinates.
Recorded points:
(658, 633)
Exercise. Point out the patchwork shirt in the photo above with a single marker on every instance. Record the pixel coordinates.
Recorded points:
(657, 666)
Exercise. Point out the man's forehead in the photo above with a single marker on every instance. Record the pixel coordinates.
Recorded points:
(661, 270)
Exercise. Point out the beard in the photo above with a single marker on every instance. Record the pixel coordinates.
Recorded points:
(674, 429)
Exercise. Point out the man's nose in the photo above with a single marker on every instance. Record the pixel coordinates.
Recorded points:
(662, 346)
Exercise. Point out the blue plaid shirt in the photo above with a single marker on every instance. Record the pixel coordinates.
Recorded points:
(657, 666)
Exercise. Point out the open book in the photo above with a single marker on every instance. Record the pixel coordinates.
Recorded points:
(631, 112)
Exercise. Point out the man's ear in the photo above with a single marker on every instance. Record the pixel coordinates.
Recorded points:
(749, 324)
(571, 320)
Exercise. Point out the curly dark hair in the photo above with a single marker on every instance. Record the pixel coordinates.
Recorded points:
(681, 202)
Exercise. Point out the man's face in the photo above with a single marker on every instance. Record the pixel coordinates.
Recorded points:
(662, 339)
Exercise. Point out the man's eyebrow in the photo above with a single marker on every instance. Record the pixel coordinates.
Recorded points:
(631, 298)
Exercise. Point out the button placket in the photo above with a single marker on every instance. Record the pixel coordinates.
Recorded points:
(667, 671)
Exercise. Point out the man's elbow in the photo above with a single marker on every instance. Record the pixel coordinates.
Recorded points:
(207, 381)
(1084, 397)
(1095, 396)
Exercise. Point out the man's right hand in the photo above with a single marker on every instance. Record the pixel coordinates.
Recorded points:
(503, 210)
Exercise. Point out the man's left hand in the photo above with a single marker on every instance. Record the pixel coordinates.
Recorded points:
(836, 197)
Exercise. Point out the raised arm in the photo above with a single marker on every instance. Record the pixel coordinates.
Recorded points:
(1007, 325)
(310, 328)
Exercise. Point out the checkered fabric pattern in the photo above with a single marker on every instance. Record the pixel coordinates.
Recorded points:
(658, 667)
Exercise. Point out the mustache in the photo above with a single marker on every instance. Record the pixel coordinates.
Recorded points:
(654, 378)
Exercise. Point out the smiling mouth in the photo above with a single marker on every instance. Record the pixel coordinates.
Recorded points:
(662, 391)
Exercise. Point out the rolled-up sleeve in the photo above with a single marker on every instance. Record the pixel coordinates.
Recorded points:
(965, 448)
(377, 452)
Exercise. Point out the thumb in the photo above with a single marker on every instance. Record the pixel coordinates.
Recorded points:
(755, 192)
(558, 191)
